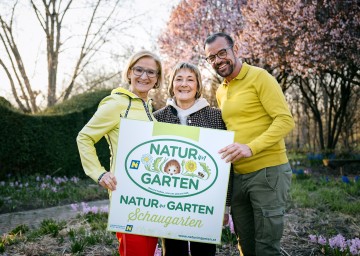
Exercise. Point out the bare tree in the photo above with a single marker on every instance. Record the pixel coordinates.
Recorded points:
(102, 21)
(27, 94)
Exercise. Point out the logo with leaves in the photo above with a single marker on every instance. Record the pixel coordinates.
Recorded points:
(189, 168)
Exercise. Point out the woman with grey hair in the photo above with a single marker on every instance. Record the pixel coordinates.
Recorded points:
(187, 107)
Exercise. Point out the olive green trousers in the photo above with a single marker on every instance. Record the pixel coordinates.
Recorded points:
(258, 206)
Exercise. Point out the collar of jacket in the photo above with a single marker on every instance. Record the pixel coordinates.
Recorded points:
(128, 93)
(124, 91)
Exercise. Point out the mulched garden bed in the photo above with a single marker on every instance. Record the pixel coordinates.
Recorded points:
(300, 224)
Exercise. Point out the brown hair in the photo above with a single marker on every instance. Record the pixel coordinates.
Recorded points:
(210, 39)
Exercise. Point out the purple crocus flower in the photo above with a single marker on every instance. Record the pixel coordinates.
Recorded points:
(85, 207)
(94, 209)
(157, 251)
(74, 207)
(354, 246)
(338, 242)
(313, 238)
(104, 209)
(75, 179)
(231, 224)
(322, 240)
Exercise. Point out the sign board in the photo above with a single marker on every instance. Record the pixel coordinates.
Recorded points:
(171, 181)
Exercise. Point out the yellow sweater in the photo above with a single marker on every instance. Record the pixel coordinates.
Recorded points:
(254, 106)
(105, 122)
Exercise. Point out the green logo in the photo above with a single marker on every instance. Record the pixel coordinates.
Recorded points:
(171, 168)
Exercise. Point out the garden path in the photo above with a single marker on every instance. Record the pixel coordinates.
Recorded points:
(33, 218)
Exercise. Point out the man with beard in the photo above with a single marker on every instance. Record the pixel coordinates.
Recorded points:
(253, 106)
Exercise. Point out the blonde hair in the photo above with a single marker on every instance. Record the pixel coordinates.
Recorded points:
(135, 58)
(194, 69)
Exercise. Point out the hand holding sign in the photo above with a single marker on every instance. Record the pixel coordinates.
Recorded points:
(169, 185)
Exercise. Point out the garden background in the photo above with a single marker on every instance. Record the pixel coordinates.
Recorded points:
(312, 48)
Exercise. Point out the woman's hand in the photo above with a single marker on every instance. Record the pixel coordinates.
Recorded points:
(108, 181)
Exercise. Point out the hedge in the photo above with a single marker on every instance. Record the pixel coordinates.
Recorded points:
(46, 143)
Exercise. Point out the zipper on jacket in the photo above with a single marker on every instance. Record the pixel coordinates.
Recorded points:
(147, 109)
(111, 150)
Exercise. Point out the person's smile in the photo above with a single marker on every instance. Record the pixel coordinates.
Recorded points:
(185, 91)
(143, 82)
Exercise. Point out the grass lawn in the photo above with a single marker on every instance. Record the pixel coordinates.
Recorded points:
(322, 214)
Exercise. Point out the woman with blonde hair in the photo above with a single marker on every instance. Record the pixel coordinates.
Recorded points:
(142, 73)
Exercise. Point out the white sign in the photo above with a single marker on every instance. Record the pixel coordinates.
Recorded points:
(172, 182)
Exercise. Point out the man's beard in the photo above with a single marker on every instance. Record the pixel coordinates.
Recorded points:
(227, 72)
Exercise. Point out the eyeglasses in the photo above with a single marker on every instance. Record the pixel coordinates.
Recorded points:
(138, 71)
(220, 54)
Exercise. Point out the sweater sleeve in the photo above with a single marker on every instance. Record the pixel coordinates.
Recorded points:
(275, 105)
(105, 119)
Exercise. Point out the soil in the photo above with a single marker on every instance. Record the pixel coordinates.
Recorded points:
(300, 223)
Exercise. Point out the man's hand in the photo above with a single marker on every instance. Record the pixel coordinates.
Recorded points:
(234, 152)
(108, 181)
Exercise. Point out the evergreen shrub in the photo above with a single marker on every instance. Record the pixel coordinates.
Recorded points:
(45, 143)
